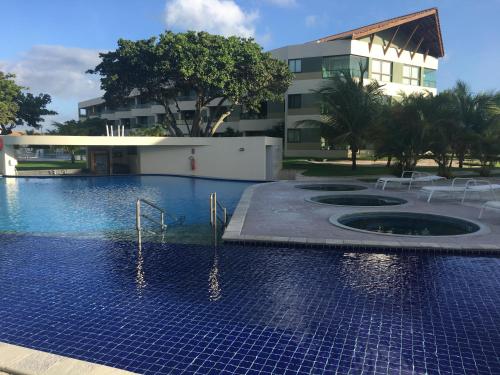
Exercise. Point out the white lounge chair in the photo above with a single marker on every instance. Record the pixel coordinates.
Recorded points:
(490, 205)
(469, 185)
(408, 177)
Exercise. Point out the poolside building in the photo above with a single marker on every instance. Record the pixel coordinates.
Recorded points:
(401, 53)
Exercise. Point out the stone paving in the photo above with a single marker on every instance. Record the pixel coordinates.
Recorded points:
(24, 361)
(279, 212)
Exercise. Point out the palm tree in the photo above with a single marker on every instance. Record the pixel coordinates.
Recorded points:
(349, 106)
(471, 110)
(400, 131)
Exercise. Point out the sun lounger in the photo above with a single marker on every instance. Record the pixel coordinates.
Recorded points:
(469, 185)
(408, 177)
(490, 205)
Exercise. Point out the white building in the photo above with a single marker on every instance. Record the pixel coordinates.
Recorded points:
(402, 53)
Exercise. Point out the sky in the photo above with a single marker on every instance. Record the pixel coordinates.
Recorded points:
(50, 44)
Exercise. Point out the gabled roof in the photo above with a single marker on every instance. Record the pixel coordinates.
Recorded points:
(422, 26)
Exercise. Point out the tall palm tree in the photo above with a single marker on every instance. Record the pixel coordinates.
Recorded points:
(349, 106)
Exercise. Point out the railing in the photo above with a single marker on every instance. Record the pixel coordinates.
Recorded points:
(214, 212)
(139, 215)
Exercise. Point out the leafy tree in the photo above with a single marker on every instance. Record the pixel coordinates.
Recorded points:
(350, 108)
(154, 131)
(230, 132)
(92, 127)
(9, 92)
(486, 142)
(220, 72)
(400, 132)
(470, 111)
(20, 108)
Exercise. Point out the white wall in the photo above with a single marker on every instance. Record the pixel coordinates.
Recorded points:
(238, 158)
(8, 161)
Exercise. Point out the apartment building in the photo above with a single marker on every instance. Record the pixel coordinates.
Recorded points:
(401, 53)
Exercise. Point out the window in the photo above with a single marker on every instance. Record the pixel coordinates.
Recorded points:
(411, 75)
(295, 65)
(429, 77)
(294, 101)
(337, 64)
(293, 136)
(382, 70)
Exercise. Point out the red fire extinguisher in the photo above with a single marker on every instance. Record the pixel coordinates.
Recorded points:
(193, 163)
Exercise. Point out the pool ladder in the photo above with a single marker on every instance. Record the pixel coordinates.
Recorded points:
(161, 223)
(214, 212)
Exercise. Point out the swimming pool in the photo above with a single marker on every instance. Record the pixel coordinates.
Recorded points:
(196, 309)
(102, 204)
(191, 308)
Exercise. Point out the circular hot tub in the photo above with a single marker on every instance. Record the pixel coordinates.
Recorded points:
(331, 187)
(406, 224)
(358, 200)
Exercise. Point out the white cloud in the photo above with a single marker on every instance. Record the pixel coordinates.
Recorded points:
(223, 17)
(60, 72)
(56, 70)
(311, 20)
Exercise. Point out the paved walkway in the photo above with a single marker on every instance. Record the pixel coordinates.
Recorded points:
(279, 212)
(23, 361)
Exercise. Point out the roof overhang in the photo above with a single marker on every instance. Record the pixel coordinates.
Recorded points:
(423, 27)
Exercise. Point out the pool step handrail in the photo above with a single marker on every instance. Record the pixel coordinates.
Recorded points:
(139, 215)
(214, 212)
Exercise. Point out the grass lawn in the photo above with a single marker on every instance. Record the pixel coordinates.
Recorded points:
(325, 170)
(37, 165)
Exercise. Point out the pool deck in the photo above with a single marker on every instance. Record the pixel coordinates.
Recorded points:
(18, 360)
(278, 213)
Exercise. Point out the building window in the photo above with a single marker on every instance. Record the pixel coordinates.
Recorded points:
(382, 70)
(338, 64)
(295, 65)
(294, 101)
(429, 77)
(293, 136)
(411, 75)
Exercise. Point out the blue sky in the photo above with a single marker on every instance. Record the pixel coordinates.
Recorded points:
(49, 44)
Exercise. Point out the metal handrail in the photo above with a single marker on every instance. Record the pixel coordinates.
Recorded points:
(214, 216)
(138, 214)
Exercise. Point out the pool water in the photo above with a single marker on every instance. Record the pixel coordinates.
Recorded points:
(408, 223)
(172, 308)
(103, 204)
(250, 310)
(358, 200)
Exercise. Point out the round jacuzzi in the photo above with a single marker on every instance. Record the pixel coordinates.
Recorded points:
(406, 224)
(331, 187)
(358, 200)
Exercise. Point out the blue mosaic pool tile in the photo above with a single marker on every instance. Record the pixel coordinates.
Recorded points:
(187, 309)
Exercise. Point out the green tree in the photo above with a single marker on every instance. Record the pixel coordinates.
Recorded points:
(220, 72)
(9, 92)
(20, 108)
(350, 107)
(92, 127)
(471, 111)
(154, 131)
(400, 132)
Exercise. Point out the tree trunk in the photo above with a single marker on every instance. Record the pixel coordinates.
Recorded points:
(219, 122)
(389, 159)
(354, 155)
(461, 158)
